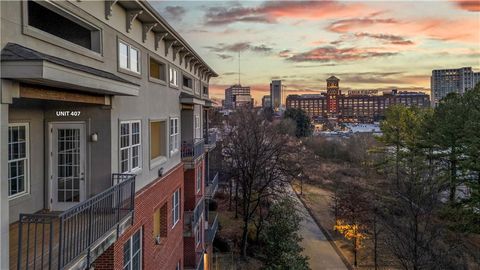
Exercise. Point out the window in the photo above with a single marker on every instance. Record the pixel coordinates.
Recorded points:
(198, 233)
(173, 76)
(160, 223)
(175, 207)
(128, 57)
(130, 145)
(18, 157)
(205, 90)
(199, 178)
(187, 82)
(197, 126)
(158, 140)
(174, 136)
(158, 70)
(54, 21)
(132, 252)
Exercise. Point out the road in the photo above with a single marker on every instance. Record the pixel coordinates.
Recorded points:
(316, 246)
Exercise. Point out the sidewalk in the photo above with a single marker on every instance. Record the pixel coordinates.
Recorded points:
(316, 246)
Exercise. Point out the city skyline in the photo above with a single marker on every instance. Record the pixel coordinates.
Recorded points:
(304, 42)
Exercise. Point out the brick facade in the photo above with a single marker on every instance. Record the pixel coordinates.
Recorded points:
(169, 252)
(192, 197)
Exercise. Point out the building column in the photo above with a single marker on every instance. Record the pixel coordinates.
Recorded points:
(4, 205)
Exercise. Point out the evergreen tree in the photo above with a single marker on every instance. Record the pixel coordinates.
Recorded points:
(282, 249)
(304, 127)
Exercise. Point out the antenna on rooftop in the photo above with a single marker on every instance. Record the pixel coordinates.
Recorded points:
(238, 67)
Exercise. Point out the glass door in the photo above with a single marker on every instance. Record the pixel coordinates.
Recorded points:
(67, 165)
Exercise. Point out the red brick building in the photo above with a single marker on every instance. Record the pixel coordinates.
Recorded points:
(355, 107)
(166, 253)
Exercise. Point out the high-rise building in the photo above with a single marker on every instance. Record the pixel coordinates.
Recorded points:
(353, 108)
(276, 94)
(237, 96)
(104, 139)
(266, 102)
(445, 81)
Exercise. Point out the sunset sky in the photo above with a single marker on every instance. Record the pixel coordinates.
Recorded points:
(368, 45)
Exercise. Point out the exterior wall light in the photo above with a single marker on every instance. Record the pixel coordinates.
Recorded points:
(94, 137)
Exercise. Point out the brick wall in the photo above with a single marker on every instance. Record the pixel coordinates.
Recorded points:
(191, 199)
(147, 200)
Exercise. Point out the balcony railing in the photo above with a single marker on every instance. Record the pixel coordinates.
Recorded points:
(211, 231)
(210, 140)
(198, 211)
(200, 261)
(193, 148)
(212, 187)
(48, 241)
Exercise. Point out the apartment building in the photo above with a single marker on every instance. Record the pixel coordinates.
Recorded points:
(276, 95)
(237, 96)
(357, 107)
(104, 139)
(445, 81)
(266, 101)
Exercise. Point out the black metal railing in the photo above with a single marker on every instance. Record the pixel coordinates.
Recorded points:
(200, 261)
(212, 187)
(211, 138)
(198, 211)
(63, 238)
(212, 229)
(192, 148)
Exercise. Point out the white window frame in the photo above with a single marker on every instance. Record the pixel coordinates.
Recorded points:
(173, 76)
(26, 159)
(174, 138)
(129, 64)
(199, 178)
(130, 146)
(197, 126)
(132, 254)
(175, 206)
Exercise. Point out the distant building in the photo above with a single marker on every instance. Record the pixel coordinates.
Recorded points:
(237, 96)
(355, 108)
(276, 94)
(445, 81)
(266, 102)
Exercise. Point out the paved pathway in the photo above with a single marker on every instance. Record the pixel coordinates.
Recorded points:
(315, 244)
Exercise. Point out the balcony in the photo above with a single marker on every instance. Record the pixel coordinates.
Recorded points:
(210, 140)
(76, 237)
(212, 229)
(192, 149)
(212, 187)
(192, 218)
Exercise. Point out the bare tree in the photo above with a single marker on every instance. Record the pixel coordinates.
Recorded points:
(258, 157)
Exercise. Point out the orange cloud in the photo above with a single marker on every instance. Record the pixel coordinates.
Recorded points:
(464, 30)
(334, 54)
(468, 5)
(270, 11)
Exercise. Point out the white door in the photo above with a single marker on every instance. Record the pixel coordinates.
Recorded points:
(67, 165)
